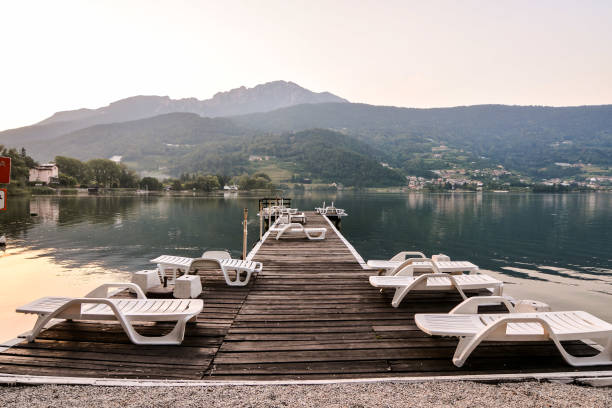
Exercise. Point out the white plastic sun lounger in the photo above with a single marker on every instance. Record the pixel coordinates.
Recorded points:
(287, 218)
(408, 257)
(216, 259)
(96, 305)
(437, 282)
(473, 328)
(295, 229)
(418, 263)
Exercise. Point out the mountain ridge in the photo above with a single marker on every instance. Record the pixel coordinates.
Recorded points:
(242, 100)
(237, 101)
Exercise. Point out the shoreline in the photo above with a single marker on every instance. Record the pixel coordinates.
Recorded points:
(258, 193)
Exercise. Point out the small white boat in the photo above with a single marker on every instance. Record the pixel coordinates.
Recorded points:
(2, 240)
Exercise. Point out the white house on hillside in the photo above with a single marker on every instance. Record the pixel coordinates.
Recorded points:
(45, 173)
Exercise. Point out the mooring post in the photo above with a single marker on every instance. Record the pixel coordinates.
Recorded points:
(244, 235)
(260, 220)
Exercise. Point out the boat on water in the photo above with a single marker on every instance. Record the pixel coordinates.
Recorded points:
(3, 240)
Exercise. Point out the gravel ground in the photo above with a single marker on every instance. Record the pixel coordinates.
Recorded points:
(431, 394)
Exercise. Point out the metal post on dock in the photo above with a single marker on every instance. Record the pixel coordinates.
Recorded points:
(260, 220)
(244, 235)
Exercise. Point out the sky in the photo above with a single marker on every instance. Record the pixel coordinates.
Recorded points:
(61, 55)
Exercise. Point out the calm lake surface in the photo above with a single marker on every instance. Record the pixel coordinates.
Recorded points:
(557, 248)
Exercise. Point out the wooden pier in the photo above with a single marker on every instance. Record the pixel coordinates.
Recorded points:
(311, 314)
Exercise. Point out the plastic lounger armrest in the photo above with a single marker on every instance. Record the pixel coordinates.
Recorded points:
(401, 256)
(102, 290)
(470, 305)
(405, 268)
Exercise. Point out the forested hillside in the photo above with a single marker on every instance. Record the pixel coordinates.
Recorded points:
(147, 143)
(524, 138)
(330, 156)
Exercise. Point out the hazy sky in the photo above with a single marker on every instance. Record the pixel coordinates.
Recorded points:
(59, 55)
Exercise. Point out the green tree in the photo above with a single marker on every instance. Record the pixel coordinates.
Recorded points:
(151, 184)
(204, 183)
(223, 180)
(67, 181)
(73, 168)
(257, 181)
(127, 178)
(104, 172)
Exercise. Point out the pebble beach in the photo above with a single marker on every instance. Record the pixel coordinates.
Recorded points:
(430, 394)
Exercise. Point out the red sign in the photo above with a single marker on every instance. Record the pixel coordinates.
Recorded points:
(2, 199)
(5, 170)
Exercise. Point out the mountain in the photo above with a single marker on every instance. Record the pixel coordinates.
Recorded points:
(146, 144)
(239, 101)
(261, 98)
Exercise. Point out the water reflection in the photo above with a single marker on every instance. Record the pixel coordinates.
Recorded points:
(124, 232)
(493, 230)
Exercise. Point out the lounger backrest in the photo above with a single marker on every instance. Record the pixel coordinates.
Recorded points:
(201, 263)
(440, 258)
(216, 255)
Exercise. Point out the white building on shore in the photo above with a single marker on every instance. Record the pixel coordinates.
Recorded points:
(45, 173)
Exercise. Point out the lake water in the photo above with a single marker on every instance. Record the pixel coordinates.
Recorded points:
(557, 248)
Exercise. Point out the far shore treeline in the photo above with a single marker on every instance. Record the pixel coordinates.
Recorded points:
(110, 174)
(107, 173)
(347, 165)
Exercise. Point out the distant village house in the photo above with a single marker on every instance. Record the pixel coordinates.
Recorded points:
(45, 173)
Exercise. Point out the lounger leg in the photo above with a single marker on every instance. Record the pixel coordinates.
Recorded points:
(495, 331)
(464, 349)
(38, 326)
(603, 358)
(400, 294)
(175, 337)
(237, 281)
(72, 307)
(467, 344)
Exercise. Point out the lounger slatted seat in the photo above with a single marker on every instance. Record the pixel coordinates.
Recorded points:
(211, 259)
(298, 230)
(96, 305)
(417, 262)
(436, 282)
(289, 215)
(518, 325)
